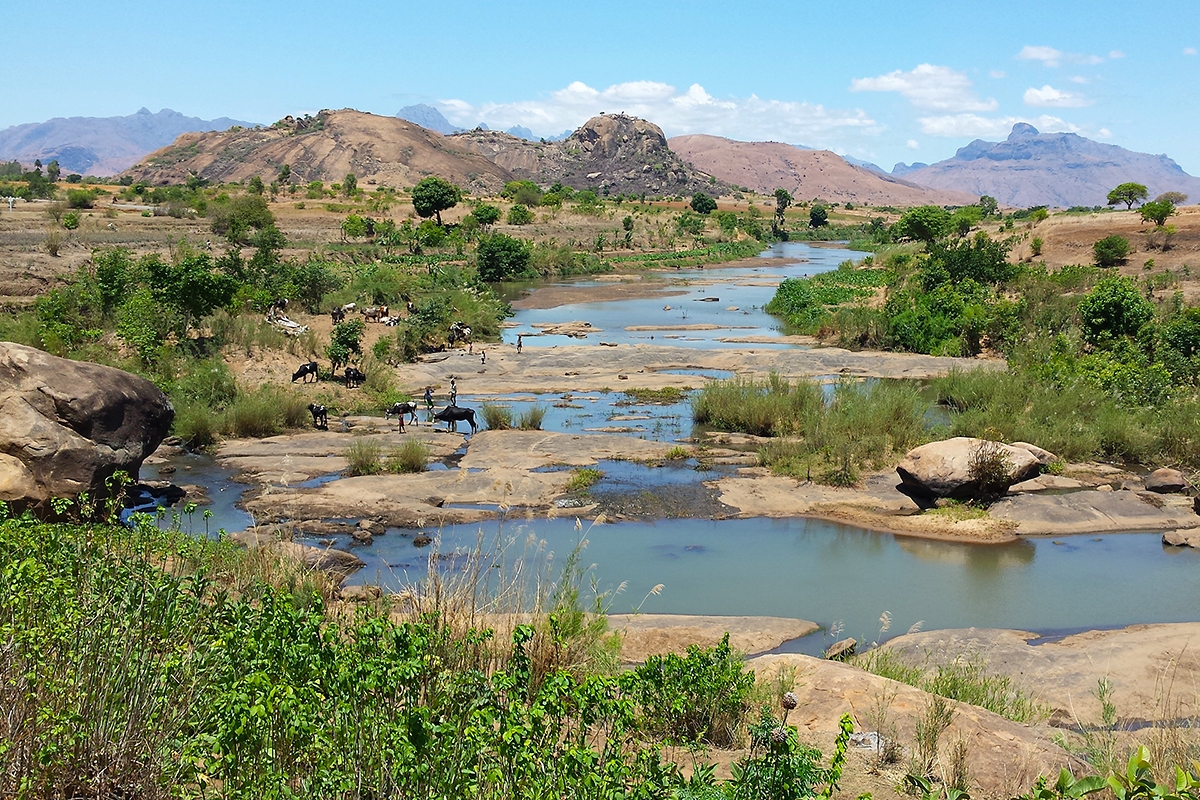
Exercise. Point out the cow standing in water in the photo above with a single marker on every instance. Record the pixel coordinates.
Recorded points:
(452, 415)
(403, 410)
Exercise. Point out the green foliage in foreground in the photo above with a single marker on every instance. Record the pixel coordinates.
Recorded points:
(805, 302)
(143, 662)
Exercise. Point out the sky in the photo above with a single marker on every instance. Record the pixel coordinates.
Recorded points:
(881, 81)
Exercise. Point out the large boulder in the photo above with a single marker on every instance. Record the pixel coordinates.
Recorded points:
(1166, 481)
(66, 426)
(943, 469)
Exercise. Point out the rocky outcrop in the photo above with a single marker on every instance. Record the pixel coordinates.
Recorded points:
(644, 635)
(943, 469)
(1166, 481)
(66, 426)
(1182, 537)
(613, 152)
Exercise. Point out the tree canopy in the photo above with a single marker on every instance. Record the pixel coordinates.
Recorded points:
(818, 217)
(500, 257)
(1157, 211)
(703, 204)
(1128, 193)
(433, 195)
(923, 224)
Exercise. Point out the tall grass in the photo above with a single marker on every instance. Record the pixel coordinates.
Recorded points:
(774, 407)
(531, 418)
(498, 418)
(412, 456)
(364, 457)
(266, 412)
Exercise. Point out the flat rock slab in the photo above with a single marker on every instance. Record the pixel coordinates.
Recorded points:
(1044, 483)
(644, 635)
(1141, 661)
(1003, 757)
(1093, 511)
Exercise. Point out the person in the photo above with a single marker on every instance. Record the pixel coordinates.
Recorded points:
(453, 392)
(483, 356)
(470, 348)
(520, 336)
(429, 398)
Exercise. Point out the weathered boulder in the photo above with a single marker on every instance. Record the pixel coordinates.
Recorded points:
(841, 650)
(1182, 537)
(66, 426)
(943, 469)
(1166, 481)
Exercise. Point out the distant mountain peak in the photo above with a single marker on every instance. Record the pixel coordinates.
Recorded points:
(1022, 130)
(144, 110)
(427, 117)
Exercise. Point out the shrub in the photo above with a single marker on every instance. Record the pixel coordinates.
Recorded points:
(54, 241)
(582, 479)
(703, 204)
(1111, 251)
(519, 215)
(363, 456)
(1036, 245)
(70, 220)
(500, 257)
(81, 198)
(266, 412)
(700, 697)
(498, 418)
(412, 456)
(1114, 309)
(531, 418)
(990, 469)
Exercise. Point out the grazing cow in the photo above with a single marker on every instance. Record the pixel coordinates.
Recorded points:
(459, 332)
(337, 315)
(452, 415)
(346, 309)
(304, 370)
(354, 377)
(277, 307)
(403, 410)
(320, 416)
(390, 322)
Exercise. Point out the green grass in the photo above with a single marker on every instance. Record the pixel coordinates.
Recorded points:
(364, 457)
(531, 418)
(410, 457)
(498, 418)
(677, 453)
(266, 412)
(582, 479)
(668, 395)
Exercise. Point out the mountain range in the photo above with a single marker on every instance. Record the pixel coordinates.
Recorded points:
(101, 145)
(1031, 168)
(428, 116)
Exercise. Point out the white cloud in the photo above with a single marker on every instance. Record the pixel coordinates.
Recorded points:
(913, 144)
(1049, 97)
(1051, 57)
(1079, 79)
(1189, 51)
(1104, 133)
(960, 126)
(998, 74)
(928, 86)
(1114, 54)
(690, 111)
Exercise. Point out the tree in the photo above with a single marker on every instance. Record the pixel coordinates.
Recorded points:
(519, 215)
(1111, 251)
(526, 193)
(354, 227)
(345, 342)
(500, 257)
(783, 199)
(1174, 198)
(285, 174)
(690, 222)
(988, 206)
(1115, 308)
(234, 219)
(53, 171)
(818, 216)
(923, 224)
(432, 195)
(255, 185)
(350, 184)
(703, 204)
(486, 214)
(1128, 193)
(1157, 211)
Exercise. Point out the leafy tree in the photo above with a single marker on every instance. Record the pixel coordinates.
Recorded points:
(703, 204)
(316, 190)
(285, 174)
(1157, 211)
(818, 216)
(500, 257)
(988, 206)
(354, 227)
(255, 185)
(783, 199)
(192, 286)
(53, 171)
(1111, 251)
(1128, 193)
(1174, 198)
(552, 200)
(923, 224)
(345, 343)
(728, 222)
(145, 325)
(980, 259)
(432, 195)
(114, 277)
(627, 224)
(487, 214)
(1114, 309)
(526, 193)
(234, 220)
(350, 184)
(519, 215)
(429, 234)
(965, 218)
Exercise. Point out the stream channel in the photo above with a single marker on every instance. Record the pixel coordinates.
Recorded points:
(840, 576)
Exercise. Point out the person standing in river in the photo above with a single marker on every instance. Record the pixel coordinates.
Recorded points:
(453, 393)
(520, 336)
(429, 403)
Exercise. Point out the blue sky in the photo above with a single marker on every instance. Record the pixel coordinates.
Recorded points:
(884, 81)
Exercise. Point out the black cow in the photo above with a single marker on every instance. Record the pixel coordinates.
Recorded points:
(320, 416)
(337, 315)
(304, 370)
(354, 377)
(403, 410)
(452, 415)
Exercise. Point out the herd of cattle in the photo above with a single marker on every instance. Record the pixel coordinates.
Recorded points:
(451, 415)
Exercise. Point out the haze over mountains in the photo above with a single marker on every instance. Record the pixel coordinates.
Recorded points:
(101, 145)
(1031, 168)
(428, 116)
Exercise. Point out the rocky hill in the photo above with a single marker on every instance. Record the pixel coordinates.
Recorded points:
(381, 150)
(101, 145)
(1054, 169)
(616, 152)
(807, 174)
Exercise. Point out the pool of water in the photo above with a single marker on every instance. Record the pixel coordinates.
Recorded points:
(840, 576)
(747, 287)
(598, 412)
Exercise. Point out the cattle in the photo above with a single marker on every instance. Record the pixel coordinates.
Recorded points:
(320, 416)
(277, 307)
(304, 370)
(459, 332)
(337, 315)
(452, 415)
(375, 313)
(354, 377)
(402, 410)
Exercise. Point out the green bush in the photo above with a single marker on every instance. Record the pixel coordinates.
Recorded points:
(500, 257)
(531, 418)
(1113, 310)
(498, 418)
(410, 457)
(1111, 251)
(364, 457)
(520, 215)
